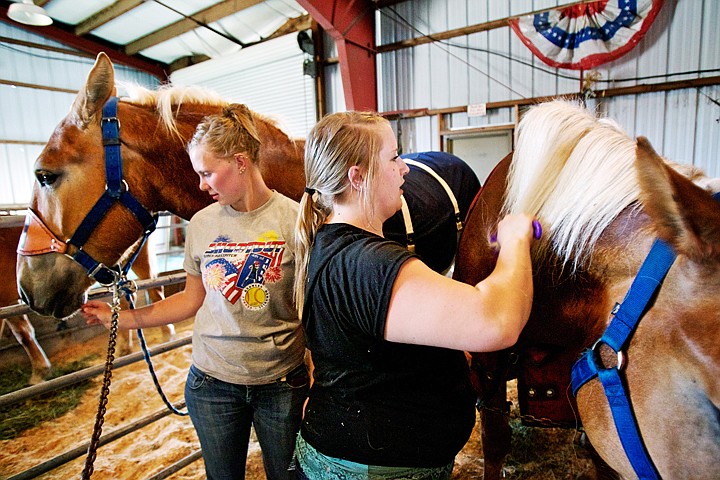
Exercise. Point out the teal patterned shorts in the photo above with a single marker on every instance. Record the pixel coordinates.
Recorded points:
(317, 466)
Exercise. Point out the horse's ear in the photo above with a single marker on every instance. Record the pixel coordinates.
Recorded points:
(685, 215)
(99, 86)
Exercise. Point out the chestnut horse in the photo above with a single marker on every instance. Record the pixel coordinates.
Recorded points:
(603, 199)
(154, 128)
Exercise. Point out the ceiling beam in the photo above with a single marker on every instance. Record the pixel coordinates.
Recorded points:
(184, 62)
(352, 26)
(292, 25)
(59, 32)
(47, 48)
(102, 17)
(13, 83)
(207, 16)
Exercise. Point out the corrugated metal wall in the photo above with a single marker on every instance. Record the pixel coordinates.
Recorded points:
(268, 78)
(28, 116)
(495, 66)
(483, 67)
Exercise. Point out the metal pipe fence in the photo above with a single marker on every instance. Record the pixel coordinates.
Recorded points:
(90, 372)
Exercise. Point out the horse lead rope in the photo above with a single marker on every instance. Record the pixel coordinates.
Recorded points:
(148, 361)
(117, 190)
(105, 390)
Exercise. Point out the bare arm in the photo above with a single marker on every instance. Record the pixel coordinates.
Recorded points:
(427, 308)
(174, 308)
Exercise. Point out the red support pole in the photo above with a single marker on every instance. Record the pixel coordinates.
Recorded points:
(351, 23)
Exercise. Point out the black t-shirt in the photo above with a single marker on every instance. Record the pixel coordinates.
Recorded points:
(376, 402)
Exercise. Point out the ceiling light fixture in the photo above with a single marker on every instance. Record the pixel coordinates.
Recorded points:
(29, 14)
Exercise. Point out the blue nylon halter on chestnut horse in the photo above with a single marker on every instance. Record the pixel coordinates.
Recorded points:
(116, 191)
(626, 317)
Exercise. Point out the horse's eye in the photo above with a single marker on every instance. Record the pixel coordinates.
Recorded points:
(45, 178)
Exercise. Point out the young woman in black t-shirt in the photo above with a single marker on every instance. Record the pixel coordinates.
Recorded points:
(391, 396)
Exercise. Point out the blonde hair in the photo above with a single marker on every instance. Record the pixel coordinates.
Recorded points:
(229, 132)
(336, 143)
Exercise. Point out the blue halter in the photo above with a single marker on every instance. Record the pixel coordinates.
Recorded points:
(617, 336)
(116, 190)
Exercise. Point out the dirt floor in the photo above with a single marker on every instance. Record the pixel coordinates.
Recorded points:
(151, 449)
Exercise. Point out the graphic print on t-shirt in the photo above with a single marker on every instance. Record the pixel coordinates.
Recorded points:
(241, 270)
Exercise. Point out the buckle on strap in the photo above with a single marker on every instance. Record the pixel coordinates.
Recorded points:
(599, 360)
(104, 275)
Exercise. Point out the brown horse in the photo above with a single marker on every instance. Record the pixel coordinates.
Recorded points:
(603, 199)
(21, 327)
(155, 127)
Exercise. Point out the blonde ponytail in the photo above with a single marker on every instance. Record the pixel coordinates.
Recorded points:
(336, 143)
(311, 216)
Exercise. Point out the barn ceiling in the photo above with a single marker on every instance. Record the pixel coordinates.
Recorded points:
(160, 36)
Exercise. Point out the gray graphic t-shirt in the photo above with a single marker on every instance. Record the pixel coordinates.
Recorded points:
(247, 330)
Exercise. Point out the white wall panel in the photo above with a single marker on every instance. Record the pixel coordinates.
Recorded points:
(457, 74)
(268, 78)
(709, 51)
(16, 173)
(650, 118)
(706, 133)
(683, 38)
(334, 93)
(479, 80)
(679, 127)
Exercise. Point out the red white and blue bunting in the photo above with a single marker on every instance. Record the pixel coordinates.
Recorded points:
(584, 36)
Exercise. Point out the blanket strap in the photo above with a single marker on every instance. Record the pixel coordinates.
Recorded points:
(409, 231)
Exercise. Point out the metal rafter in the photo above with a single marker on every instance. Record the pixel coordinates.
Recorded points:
(105, 15)
(207, 16)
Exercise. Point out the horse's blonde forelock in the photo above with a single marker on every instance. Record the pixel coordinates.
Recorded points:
(574, 172)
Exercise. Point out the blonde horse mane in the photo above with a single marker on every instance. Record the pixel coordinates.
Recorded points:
(168, 99)
(574, 172)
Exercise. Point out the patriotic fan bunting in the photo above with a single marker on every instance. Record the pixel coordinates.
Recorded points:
(585, 36)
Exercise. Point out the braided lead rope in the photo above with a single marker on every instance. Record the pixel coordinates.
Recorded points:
(105, 390)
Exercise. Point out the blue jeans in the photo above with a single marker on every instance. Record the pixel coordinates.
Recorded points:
(222, 414)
